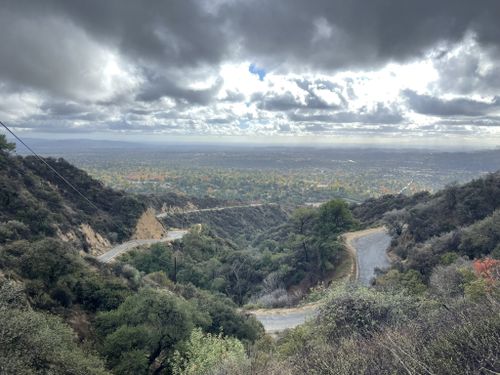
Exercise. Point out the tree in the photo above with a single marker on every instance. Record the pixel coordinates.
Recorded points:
(150, 322)
(38, 343)
(334, 217)
(211, 354)
(303, 219)
(5, 145)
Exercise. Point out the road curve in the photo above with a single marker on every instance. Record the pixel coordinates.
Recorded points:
(369, 249)
(277, 320)
(129, 245)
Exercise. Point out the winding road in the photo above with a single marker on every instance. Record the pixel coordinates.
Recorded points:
(368, 248)
(172, 235)
(129, 245)
(213, 209)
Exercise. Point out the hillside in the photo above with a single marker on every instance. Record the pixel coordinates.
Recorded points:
(36, 203)
(62, 312)
(457, 221)
(176, 308)
(435, 311)
(240, 224)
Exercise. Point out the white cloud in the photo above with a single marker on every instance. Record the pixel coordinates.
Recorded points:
(79, 82)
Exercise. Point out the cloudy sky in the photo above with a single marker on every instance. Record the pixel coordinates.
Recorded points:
(339, 71)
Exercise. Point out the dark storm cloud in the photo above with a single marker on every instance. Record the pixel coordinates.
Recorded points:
(429, 105)
(159, 86)
(41, 46)
(464, 73)
(61, 47)
(174, 32)
(287, 101)
(344, 33)
(59, 108)
(48, 54)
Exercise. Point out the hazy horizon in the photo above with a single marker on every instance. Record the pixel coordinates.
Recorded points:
(228, 141)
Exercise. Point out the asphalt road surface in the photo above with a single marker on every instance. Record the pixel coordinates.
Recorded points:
(371, 253)
(129, 245)
(277, 320)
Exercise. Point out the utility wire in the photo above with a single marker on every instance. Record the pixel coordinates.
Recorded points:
(50, 167)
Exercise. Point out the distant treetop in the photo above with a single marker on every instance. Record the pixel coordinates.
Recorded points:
(5, 145)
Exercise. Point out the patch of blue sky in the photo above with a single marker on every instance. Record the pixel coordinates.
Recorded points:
(254, 69)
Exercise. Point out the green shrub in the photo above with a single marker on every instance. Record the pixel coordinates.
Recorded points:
(38, 343)
(352, 310)
(206, 354)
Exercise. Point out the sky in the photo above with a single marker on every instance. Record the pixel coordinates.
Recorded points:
(395, 72)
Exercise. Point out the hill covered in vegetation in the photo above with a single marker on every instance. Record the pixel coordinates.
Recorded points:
(36, 203)
(232, 253)
(431, 229)
(435, 311)
(63, 313)
(175, 308)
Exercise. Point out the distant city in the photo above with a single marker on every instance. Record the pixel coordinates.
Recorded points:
(287, 175)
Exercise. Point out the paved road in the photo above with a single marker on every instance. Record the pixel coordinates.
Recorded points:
(277, 320)
(371, 254)
(165, 214)
(129, 245)
(370, 247)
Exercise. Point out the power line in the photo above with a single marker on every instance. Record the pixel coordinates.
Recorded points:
(50, 167)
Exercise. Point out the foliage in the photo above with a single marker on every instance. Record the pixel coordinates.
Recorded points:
(205, 261)
(36, 203)
(150, 322)
(137, 331)
(487, 268)
(223, 314)
(429, 230)
(373, 209)
(56, 277)
(206, 354)
(352, 310)
(449, 281)
(38, 343)
(303, 250)
(366, 335)
(240, 225)
(5, 145)
(410, 281)
(306, 249)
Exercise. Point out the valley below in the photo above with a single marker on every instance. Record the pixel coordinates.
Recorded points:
(151, 281)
